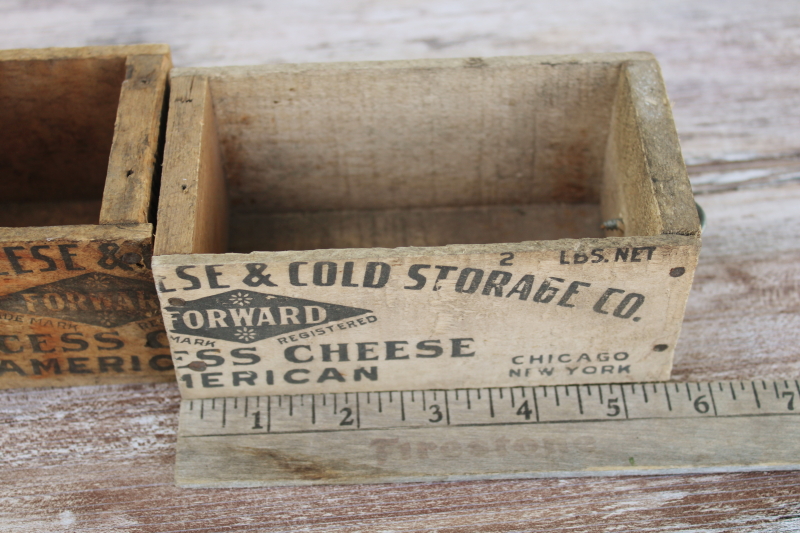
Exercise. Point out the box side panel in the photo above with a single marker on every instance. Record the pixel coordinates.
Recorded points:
(211, 228)
(430, 226)
(665, 166)
(470, 132)
(193, 201)
(645, 182)
(516, 450)
(137, 135)
(588, 311)
(78, 306)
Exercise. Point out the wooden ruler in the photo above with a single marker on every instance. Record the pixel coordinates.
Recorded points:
(428, 435)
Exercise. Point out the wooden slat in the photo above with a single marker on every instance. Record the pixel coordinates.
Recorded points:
(193, 209)
(87, 52)
(498, 433)
(664, 165)
(729, 68)
(410, 134)
(128, 195)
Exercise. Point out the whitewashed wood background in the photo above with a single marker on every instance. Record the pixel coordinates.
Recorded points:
(100, 458)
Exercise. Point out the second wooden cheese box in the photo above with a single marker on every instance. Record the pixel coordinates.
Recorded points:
(80, 131)
(423, 224)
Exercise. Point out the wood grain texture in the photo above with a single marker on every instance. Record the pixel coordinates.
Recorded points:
(398, 134)
(58, 132)
(729, 69)
(128, 194)
(193, 206)
(113, 471)
(746, 296)
(391, 228)
(396, 323)
(649, 191)
(100, 458)
(499, 433)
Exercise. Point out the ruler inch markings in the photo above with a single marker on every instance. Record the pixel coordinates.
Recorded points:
(212, 417)
(487, 424)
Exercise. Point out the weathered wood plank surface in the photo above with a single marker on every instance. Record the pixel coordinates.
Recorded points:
(100, 458)
(730, 67)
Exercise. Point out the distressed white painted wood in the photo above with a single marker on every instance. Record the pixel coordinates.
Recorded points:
(728, 67)
(101, 458)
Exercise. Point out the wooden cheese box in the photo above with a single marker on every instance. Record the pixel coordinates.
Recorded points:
(80, 131)
(423, 224)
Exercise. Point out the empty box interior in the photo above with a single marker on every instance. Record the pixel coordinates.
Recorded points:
(408, 153)
(56, 128)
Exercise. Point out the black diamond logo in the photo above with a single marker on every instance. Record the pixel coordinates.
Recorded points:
(246, 316)
(97, 299)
